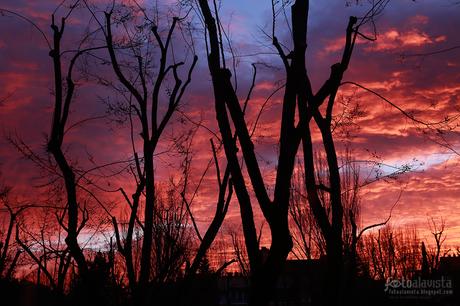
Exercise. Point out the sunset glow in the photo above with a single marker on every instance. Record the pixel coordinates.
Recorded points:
(396, 111)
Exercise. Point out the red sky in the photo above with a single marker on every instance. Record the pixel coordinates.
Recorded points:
(428, 87)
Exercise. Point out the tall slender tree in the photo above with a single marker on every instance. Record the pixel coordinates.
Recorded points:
(145, 90)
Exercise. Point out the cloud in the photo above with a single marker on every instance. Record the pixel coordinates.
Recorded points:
(426, 87)
(394, 39)
(390, 40)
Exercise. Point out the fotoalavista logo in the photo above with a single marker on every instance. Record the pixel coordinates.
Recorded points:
(419, 286)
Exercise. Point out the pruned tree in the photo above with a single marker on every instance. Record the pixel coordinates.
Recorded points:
(263, 274)
(310, 106)
(300, 99)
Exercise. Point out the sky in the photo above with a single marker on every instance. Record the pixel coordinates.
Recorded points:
(427, 87)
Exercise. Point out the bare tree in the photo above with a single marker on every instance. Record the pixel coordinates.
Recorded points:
(224, 196)
(438, 232)
(9, 253)
(240, 252)
(142, 84)
(142, 80)
(64, 95)
(308, 240)
(42, 240)
(263, 274)
(58, 164)
(298, 97)
(391, 253)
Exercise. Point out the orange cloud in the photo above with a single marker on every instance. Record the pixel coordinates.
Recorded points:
(390, 40)
(394, 39)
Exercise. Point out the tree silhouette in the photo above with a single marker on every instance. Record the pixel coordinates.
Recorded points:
(74, 215)
(8, 261)
(298, 97)
(161, 251)
(145, 90)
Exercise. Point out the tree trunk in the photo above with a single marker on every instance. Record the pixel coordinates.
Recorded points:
(265, 279)
(146, 255)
